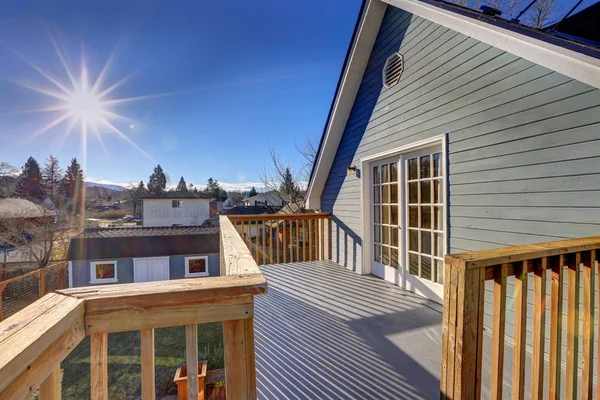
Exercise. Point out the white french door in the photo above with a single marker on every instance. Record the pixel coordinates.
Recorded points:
(407, 221)
(151, 269)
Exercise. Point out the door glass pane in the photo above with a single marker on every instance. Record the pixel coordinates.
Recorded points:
(394, 215)
(377, 253)
(438, 244)
(385, 234)
(426, 217)
(394, 193)
(413, 216)
(426, 242)
(437, 191)
(413, 240)
(385, 193)
(413, 192)
(394, 257)
(425, 167)
(376, 175)
(394, 232)
(386, 214)
(425, 267)
(437, 166)
(385, 255)
(384, 174)
(438, 218)
(413, 264)
(426, 192)
(377, 214)
(393, 172)
(377, 233)
(376, 194)
(412, 169)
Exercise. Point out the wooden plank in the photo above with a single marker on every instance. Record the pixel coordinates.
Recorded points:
(191, 359)
(310, 242)
(35, 330)
(296, 256)
(499, 326)
(587, 366)
(99, 366)
(322, 223)
(329, 244)
(271, 242)
(556, 318)
(167, 293)
(277, 244)
(520, 331)
(240, 368)
(513, 254)
(444, 387)
(285, 243)
(572, 325)
(303, 240)
(264, 243)
(539, 328)
(147, 350)
(158, 316)
(266, 217)
(50, 389)
(237, 257)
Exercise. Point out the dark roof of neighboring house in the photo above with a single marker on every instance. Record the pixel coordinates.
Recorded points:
(177, 195)
(250, 210)
(112, 243)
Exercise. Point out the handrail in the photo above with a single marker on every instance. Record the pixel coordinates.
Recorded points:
(465, 275)
(35, 340)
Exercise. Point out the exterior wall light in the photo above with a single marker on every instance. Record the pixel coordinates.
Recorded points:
(352, 170)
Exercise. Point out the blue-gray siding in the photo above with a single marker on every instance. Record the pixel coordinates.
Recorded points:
(523, 141)
(81, 269)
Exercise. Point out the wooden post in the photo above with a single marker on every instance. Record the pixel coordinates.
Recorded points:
(50, 389)
(62, 284)
(498, 329)
(3, 271)
(191, 359)
(240, 368)
(329, 247)
(556, 319)
(264, 243)
(41, 275)
(271, 242)
(462, 331)
(520, 331)
(285, 244)
(322, 239)
(310, 246)
(2, 287)
(147, 344)
(99, 366)
(539, 329)
(277, 241)
(573, 284)
(587, 376)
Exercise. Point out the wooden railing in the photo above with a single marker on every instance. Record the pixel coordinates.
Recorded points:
(465, 275)
(34, 341)
(277, 238)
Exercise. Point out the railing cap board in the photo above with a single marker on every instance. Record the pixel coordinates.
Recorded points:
(26, 335)
(236, 257)
(487, 258)
(274, 217)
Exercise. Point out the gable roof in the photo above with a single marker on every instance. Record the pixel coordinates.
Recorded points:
(580, 61)
(177, 195)
(22, 208)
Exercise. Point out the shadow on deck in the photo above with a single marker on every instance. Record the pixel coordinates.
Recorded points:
(323, 331)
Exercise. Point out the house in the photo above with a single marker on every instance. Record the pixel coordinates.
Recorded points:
(20, 222)
(216, 206)
(254, 229)
(270, 198)
(24, 209)
(141, 254)
(175, 209)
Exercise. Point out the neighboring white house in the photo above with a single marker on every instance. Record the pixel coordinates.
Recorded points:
(271, 198)
(175, 209)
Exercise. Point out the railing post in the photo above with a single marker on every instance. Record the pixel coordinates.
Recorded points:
(50, 389)
(240, 367)
(41, 282)
(462, 331)
(99, 366)
(148, 386)
(191, 358)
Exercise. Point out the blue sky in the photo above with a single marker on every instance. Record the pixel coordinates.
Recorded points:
(249, 75)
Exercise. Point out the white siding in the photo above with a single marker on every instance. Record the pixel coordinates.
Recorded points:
(159, 212)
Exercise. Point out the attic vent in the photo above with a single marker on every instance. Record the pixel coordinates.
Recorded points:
(392, 70)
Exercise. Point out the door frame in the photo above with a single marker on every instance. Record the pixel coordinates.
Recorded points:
(168, 258)
(365, 196)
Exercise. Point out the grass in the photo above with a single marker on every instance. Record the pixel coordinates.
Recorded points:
(124, 368)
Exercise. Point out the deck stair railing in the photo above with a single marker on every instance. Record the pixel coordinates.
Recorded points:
(277, 238)
(573, 268)
(34, 341)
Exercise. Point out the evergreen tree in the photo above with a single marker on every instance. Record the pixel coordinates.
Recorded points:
(31, 181)
(74, 186)
(182, 186)
(252, 192)
(213, 189)
(157, 181)
(288, 186)
(52, 175)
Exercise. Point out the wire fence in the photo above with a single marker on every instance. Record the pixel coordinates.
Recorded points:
(18, 292)
(9, 270)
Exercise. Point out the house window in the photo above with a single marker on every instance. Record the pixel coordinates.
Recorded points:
(196, 266)
(176, 203)
(103, 272)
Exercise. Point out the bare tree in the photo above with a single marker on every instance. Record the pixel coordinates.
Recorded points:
(542, 13)
(135, 193)
(308, 152)
(9, 180)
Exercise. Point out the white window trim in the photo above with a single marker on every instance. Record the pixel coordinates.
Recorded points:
(94, 280)
(187, 273)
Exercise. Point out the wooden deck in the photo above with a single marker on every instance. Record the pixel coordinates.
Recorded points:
(323, 331)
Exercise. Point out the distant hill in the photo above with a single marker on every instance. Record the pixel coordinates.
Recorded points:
(104, 185)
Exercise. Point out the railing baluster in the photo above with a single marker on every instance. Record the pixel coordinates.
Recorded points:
(99, 366)
(587, 376)
(191, 359)
(147, 345)
(322, 221)
(572, 325)
(520, 331)
(556, 319)
(50, 389)
(499, 325)
(297, 252)
(257, 239)
(285, 243)
(271, 242)
(264, 244)
(539, 328)
(329, 237)
(303, 240)
(277, 240)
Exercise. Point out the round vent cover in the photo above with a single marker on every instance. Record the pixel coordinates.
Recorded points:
(392, 70)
